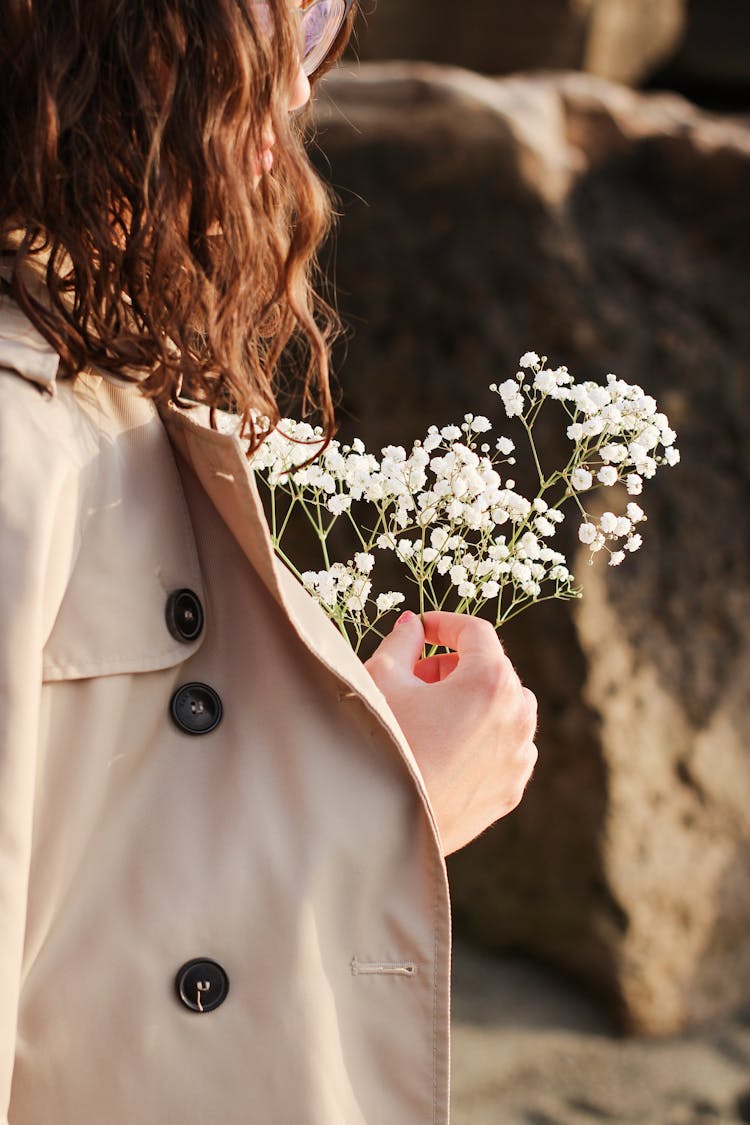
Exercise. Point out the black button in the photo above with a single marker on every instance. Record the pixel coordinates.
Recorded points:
(202, 985)
(196, 708)
(184, 614)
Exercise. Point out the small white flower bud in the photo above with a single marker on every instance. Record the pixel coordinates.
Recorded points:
(386, 602)
(635, 513)
(543, 526)
(504, 446)
(581, 480)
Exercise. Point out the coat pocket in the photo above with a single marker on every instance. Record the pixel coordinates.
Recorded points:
(133, 598)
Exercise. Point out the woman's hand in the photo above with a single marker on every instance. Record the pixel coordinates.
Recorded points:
(467, 717)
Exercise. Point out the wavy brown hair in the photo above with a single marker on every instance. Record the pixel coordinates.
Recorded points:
(128, 141)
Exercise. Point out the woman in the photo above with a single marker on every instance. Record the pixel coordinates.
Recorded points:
(222, 839)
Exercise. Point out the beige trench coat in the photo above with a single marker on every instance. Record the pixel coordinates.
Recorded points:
(290, 851)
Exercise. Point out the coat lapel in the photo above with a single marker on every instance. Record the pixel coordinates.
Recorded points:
(219, 462)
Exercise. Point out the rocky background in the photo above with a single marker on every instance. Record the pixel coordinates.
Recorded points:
(699, 47)
(608, 229)
(530, 1049)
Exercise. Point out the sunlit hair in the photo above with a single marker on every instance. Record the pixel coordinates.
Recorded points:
(129, 138)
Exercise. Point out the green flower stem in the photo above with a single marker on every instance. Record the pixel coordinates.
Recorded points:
(274, 536)
(532, 444)
(289, 511)
(364, 544)
(524, 603)
(287, 561)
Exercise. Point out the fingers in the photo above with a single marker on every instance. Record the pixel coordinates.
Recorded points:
(484, 667)
(400, 650)
(436, 668)
(530, 708)
(469, 636)
(530, 758)
(527, 759)
(521, 712)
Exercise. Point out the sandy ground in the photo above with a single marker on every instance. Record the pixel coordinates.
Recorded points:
(530, 1050)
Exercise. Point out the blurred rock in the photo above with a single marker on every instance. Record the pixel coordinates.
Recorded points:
(482, 34)
(609, 231)
(619, 39)
(713, 58)
(626, 40)
(699, 42)
(529, 1050)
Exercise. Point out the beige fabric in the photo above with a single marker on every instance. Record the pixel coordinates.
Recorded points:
(294, 844)
(23, 349)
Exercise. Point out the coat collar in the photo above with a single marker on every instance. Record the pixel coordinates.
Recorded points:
(22, 348)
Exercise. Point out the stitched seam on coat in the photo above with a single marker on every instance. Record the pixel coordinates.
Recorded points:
(57, 672)
(393, 968)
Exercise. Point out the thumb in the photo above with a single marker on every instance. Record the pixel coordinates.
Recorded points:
(400, 650)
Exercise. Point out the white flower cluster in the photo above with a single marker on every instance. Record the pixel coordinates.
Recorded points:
(346, 587)
(609, 528)
(449, 512)
(619, 436)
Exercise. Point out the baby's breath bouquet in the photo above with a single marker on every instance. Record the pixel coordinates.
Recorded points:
(448, 509)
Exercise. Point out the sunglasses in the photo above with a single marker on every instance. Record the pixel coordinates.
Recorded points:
(320, 23)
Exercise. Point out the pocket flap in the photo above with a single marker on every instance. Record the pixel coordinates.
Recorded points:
(134, 551)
